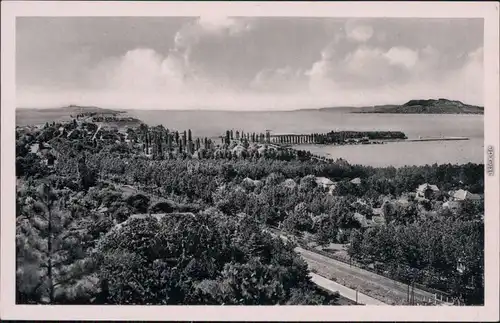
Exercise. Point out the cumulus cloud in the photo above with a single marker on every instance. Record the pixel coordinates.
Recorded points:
(469, 80)
(358, 65)
(364, 67)
(394, 75)
(358, 32)
(215, 23)
(285, 79)
(144, 70)
(139, 69)
(190, 34)
(402, 56)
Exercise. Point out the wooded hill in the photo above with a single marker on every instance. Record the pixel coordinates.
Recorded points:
(440, 106)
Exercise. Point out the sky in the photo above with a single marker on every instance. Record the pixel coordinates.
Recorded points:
(245, 63)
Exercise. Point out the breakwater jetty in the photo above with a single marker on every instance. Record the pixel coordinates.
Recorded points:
(437, 139)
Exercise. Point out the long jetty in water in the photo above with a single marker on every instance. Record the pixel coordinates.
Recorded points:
(292, 139)
(437, 139)
(330, 138)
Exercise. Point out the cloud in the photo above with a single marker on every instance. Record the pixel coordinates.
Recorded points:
(144, 70)
(224, 62)
(139, 69)
(394, 75)
(469, 80)
(215, 23)
(402, 56)
(209, 26)
(358, 33)
(364, 67)
(284, 79)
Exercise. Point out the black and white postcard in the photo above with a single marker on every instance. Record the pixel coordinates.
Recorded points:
(250, 161)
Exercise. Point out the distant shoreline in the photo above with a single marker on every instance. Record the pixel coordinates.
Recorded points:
(430, 106)
(429, 113)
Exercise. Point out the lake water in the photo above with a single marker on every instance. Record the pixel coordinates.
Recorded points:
(405, 153)
(215, 123)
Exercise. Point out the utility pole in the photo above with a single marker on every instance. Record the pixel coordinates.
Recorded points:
(413, 293)
(408, 294)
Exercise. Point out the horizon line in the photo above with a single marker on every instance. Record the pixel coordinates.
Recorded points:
(239, 110)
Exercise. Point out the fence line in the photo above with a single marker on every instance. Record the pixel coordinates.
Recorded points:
(440, 296)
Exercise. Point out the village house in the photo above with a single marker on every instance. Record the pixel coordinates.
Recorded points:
(462, 195)
(326, 183)
(238, 150)
(356, 181)
(452, 205)
(427, 191)
(369, 221)
(248, 182)
(458, 197)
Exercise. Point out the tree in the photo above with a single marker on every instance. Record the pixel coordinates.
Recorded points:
(325, 230)
(51, 261)
(355, 242)
(87, 176)
(177, 137)
(204, 259)
(299, 221)
(184, 139)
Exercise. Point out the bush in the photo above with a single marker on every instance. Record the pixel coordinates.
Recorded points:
(138, 202)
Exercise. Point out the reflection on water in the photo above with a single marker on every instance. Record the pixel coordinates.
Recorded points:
(405, 153)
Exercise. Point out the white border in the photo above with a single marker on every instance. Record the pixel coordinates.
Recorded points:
(487, 10)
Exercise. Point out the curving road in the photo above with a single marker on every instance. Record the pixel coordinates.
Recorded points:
(379, 287)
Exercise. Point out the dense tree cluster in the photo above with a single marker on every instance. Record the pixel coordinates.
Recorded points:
(78, 241)
(208, 258)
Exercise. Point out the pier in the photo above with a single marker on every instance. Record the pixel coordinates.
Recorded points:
(438, 139)
(330, 138)
(292, 139)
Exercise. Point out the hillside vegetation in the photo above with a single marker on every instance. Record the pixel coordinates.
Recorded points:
(33, 116)
(440, 106)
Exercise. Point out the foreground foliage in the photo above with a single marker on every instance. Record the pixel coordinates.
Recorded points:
(78, 241)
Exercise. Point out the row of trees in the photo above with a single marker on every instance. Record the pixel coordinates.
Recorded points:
(263, 191)
(245, 137)
(444, 253)
(164, 142)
